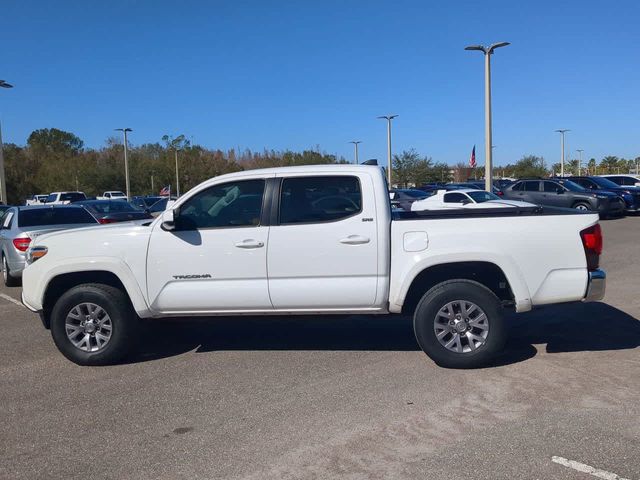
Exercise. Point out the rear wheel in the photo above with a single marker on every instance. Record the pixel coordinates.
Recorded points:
(459, 324)
(94, 324)
(9, 280)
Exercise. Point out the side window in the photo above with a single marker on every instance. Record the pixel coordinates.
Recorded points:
(319, 199)
(518, 187)
(234, 204)
(454, 197)
(531, 186)
(583, 182)
(51, 198)
(627, 181)
(551, 187)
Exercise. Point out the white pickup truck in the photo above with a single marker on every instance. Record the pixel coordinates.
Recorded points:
(312, 240)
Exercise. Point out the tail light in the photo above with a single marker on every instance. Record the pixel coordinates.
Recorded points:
(21, 244)
(104, 221)
(592, 243)
(500, 193)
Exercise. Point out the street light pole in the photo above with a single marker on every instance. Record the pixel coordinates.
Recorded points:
(177, 176)
(562, 131)
(579, 150)
(488, 166)
(388, 118)
(3, 182)
(126, 160)
(355, 144)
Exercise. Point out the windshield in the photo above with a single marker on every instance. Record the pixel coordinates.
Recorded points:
(415, 193)
(111, 207)
(480, 197)
(604, 182)
(572, 186)
(159, 206)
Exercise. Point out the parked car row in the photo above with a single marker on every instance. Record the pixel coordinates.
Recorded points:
(19, 226)
(611, 195)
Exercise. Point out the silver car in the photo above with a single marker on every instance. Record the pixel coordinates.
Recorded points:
(20, 225)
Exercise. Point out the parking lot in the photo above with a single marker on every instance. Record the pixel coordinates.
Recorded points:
(333, 397)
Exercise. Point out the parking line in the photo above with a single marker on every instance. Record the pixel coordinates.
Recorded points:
(11, 299)
(581, 467)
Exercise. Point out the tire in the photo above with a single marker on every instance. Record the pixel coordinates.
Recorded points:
(77, 306)
(9, 281)
(582, 206)
(486, 335)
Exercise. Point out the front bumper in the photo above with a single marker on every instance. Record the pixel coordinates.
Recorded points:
(596, 286)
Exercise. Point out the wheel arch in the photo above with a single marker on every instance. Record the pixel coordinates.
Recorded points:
(483, 272)
(62, 282)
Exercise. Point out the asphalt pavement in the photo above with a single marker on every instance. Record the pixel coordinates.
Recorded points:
(334, 397)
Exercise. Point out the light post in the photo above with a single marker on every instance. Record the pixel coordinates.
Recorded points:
(355, 144)
(177, 176)
(3, 182)
(488, 165)
(562, 131)
(126, 161)
(152, 189)
(579, 150)
(388, 118)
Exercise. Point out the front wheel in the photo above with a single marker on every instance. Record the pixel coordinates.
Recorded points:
(94, 324)
(583, 207)
(459, 324)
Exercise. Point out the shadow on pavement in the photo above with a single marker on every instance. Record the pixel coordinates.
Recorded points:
(563, 328)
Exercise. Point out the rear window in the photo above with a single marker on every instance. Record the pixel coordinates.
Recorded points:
(72, 197)
(54, 216)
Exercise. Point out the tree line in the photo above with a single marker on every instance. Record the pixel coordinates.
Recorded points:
(55, 160)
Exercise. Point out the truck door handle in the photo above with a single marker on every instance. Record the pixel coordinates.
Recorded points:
(355, 240)
(249, 243)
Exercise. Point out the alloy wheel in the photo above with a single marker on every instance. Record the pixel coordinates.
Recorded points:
(461, 326)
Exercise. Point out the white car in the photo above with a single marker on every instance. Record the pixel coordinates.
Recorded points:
(624, 180)
(465, 198)
(113, 195)
(316, 239)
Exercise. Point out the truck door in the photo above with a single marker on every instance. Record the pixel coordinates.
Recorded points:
(323, 244)
(216, 259)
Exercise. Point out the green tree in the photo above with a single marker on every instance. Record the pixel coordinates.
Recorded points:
(529, 166)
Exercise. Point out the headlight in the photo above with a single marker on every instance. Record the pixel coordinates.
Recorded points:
(36, 253)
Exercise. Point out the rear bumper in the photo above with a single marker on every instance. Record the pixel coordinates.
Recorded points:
(596, 286)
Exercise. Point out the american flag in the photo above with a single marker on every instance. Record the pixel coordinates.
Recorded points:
(166, 191)
(472, 160)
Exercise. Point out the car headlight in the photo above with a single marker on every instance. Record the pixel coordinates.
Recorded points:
(36, 253)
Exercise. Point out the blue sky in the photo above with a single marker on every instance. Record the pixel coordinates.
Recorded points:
(296, 74)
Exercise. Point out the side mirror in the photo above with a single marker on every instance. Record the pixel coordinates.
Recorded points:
(168, 221)
(559, 190)
(465, 201)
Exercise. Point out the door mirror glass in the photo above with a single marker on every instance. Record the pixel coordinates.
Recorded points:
(560, 190)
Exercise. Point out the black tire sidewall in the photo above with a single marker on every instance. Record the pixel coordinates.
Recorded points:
(123, 321)
(9, 281)
(444, 293)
